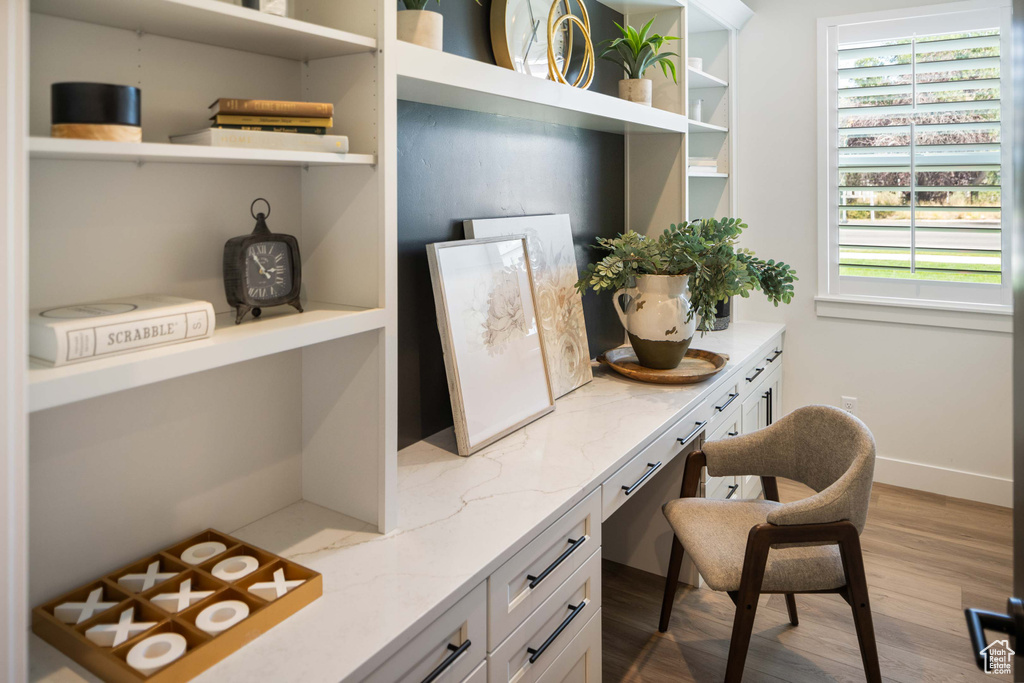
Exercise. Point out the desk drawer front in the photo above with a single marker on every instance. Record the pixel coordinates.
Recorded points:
(757, 369)
(632, 476)
(724, 402)
(550, 629)
(545, 564)
(436, 648)
(479, 674)
(580, 662)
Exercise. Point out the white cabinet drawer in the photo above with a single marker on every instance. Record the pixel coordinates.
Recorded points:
(479, 674)
(436, 645)
(547, 632)
(545, 564)
(634, 474)
(580, 661)
(723, 402)
(755, 370)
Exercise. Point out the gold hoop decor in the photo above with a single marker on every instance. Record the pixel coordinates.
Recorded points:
(583, 23)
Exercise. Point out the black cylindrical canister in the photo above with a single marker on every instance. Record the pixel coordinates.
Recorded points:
(96, 111)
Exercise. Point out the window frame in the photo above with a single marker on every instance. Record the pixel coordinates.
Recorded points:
(954, 304)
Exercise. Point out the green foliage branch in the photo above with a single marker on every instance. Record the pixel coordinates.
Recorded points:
(637, 51)
(705, 250)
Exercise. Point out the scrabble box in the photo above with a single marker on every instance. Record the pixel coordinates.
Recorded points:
(172, 615)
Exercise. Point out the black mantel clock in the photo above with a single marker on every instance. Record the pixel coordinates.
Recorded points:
(261, 269)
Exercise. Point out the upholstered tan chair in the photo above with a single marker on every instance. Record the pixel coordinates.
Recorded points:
(750, 547)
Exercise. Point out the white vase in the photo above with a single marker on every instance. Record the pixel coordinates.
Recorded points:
(657, 319)
(421, 27)
(636, 90)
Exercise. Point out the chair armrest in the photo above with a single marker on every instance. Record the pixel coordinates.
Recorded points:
(767, 452)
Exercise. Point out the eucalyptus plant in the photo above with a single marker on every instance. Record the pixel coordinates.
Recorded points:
(705, 250)
(637, 51)
(422, 4)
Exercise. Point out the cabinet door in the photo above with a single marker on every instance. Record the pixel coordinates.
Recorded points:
(751, 413)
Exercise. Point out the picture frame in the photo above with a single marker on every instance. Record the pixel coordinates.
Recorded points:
(559, 305)
(493, 350)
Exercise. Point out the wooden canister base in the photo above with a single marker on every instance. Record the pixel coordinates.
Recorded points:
(97, 131)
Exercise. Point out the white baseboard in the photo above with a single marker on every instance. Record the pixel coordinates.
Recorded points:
(943, 480)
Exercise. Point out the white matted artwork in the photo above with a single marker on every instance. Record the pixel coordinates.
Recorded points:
(559, 305)
(493, 352)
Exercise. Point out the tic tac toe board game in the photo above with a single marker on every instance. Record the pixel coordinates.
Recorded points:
(170, 616)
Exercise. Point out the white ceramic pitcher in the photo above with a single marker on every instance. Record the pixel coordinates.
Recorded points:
(657, 319)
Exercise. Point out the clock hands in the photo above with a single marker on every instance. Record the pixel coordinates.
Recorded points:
(262, 271)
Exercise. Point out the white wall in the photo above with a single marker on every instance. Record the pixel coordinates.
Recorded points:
(938, 400)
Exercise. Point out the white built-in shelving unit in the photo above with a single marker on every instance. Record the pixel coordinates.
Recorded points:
(108, 460)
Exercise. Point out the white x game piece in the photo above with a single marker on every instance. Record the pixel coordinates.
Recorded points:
(272, 590)
(176, 602)
(77, 612)
(142, 582)
(112, 635)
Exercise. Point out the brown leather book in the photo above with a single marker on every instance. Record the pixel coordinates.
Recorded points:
(237, 107)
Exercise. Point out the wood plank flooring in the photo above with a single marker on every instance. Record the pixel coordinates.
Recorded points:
(927, 557)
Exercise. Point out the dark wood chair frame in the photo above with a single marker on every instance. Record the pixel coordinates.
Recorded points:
(759, 541)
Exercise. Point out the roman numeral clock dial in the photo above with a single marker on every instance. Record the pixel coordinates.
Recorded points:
(261, 269)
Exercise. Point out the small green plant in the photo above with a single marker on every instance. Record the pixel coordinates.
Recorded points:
(705, 250)
(422, 4)
(637, 51)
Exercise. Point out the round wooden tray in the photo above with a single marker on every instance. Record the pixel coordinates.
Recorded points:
(697, 366)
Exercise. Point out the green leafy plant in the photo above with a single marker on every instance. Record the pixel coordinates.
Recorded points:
(422, 4)
(705, 250)
(637, 51)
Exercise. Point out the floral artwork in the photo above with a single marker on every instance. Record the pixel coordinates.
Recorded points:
(491, 340)
(559, 305)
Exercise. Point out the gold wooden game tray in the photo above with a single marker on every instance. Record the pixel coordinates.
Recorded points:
(203, 650)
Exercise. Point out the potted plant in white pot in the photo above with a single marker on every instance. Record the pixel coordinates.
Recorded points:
(677, 278)
(636, 52)
(418, 25)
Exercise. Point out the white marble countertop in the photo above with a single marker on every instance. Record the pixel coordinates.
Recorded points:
(458, 520)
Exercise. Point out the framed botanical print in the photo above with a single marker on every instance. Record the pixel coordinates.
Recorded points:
(493, 352)
(559, 305)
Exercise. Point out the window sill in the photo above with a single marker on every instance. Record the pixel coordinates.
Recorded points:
(910, 312)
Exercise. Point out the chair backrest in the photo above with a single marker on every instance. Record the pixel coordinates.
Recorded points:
(821, 446)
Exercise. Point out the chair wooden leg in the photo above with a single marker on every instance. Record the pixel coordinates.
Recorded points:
(791, 608)
(857, 593)
(675, 564)
(695, 462)
(746, 605)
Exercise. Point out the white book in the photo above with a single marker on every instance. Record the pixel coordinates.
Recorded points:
(703, 161)
(263, 139)
(71, 334)
(703, 170)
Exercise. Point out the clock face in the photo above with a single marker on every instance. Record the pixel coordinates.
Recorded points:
(526, 35)
(268, 270)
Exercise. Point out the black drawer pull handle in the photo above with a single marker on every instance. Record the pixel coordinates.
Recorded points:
(732, 397)
(535, 654)
(778, 353)
(456, 651)
(695, 432)
(754, 376)
(732, 490)
(534, 580)
(733, 434)
(651, 468)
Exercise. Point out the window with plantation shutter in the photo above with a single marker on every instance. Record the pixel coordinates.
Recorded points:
(917, 118)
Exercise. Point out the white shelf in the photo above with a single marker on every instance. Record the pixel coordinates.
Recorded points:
(439, 78)
(700, 79)
(691, 174)
(279, 329)
(214, 23)
(642, 6)
(701, 127)
(157, 152)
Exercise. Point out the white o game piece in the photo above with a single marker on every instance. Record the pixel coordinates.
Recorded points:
(201, 552)
(272, 590)
(77, 612)
(220, 616)
(112, 635)
(234, 568)
(154, 653)
(182, 600)
(143, 582)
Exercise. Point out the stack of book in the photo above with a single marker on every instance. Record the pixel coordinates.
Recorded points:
(703, 165)
(269, 124)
